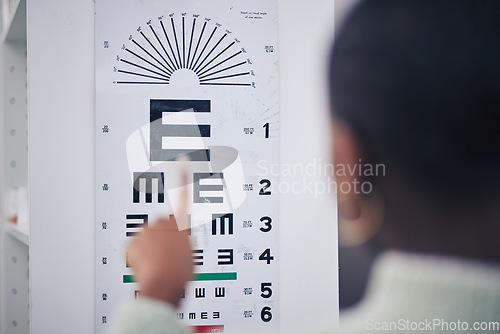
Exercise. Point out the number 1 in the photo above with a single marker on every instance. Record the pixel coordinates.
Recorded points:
(266, 126)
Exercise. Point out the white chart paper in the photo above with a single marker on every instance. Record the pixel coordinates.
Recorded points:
(194, 78)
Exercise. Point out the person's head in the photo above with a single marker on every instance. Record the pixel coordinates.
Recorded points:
(415, 86)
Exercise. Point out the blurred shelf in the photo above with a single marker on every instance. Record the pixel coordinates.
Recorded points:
(15, 238)
(15, 25)
(19, 234)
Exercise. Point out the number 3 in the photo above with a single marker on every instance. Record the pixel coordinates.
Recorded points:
(267, 221)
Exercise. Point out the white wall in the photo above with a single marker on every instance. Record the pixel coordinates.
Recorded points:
(308, 243)
(61, 162)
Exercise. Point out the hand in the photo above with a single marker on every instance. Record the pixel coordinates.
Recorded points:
(161, 258)
(162, 261)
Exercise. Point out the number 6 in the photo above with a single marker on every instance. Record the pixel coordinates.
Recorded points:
(266, 314)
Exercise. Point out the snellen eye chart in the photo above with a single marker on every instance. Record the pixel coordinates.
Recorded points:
(197, 79)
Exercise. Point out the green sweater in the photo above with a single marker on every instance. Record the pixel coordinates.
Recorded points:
(407, 293)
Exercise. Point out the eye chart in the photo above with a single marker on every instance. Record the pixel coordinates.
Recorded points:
(196, 79)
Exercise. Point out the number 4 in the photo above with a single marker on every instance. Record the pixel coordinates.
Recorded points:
(266, 256)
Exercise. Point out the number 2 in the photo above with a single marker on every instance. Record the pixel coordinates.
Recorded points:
(266, 184)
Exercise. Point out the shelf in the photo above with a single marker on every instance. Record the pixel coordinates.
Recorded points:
(15, 28)
(19, 234)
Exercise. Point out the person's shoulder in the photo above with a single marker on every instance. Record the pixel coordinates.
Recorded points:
(146, 316)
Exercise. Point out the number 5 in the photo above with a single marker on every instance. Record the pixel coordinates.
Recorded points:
(266, 290)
